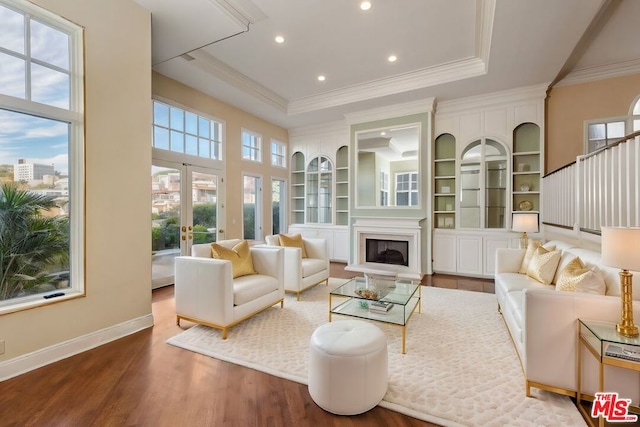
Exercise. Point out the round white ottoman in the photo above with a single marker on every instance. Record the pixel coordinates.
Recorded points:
(348, 366)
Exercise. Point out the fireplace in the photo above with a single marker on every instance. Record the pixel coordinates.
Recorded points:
(387, 251)
(398, 236)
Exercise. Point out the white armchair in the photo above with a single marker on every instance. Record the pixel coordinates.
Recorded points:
(206, 292)
(300, 273)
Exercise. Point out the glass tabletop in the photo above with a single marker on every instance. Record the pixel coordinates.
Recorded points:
(388, 290)
(606, 331)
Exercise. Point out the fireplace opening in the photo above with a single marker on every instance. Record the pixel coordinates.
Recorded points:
(387, 251)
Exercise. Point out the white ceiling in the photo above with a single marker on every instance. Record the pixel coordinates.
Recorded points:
(446, 49)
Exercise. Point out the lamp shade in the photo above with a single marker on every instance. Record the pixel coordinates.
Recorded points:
(621, 247)
(525, 222)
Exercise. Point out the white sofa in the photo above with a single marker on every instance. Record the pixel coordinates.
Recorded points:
(303, 273)
(543, 324)
(206, 292)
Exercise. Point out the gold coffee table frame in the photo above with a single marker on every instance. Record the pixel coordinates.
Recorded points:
(404, 294)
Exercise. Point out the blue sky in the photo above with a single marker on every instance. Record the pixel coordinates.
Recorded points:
(39, 140)
(23, 136)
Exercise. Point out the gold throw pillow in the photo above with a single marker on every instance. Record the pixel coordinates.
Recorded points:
(543, 265)
(239, 255)
(293, 241)
(531, 249)
(575, 277)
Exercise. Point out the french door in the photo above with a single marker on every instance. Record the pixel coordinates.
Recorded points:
(186, 208)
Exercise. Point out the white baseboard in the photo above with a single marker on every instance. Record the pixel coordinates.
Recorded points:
(28, 362)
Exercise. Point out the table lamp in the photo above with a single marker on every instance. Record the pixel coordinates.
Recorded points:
(621, 249)
(525, 223)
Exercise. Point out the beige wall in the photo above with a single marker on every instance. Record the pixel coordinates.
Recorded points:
(235, 120)
(118, 160)
(569, 106)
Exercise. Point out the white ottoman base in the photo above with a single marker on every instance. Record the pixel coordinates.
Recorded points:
(348, 367)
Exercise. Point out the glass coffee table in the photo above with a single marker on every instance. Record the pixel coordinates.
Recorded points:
(367, 299)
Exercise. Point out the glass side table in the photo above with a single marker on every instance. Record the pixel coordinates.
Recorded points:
(609, 348)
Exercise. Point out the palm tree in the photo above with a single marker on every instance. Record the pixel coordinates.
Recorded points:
(31, 244)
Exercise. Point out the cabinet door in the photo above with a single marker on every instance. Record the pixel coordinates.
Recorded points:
(490, 246)
(341, 245)
(444, 254)
(469, 250)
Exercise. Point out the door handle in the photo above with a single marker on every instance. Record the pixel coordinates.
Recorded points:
(221, 231)
(184, 229)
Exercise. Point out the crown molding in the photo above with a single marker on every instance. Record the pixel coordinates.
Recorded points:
(335, 127)
(214, 66)
(391, 111)
(465, 68)
(527, 93)
(600, 72)
(426, 77)
(484, 23)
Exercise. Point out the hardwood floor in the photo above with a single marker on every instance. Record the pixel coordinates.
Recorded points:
(140, 380)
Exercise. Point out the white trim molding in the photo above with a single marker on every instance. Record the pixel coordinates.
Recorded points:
(403, 229)
(39, 358)
(391, 111)
(601, 72)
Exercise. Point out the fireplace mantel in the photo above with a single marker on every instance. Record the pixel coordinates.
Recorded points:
(403, 229)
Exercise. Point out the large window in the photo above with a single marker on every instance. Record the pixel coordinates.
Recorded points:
(278, 154)
(251, 144)
(605, 133)
(278, 208)
(185, 132)
(42, 157)
(407, 189)
(251, 207)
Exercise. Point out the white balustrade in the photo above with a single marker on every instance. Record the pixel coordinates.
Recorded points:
(599, 189)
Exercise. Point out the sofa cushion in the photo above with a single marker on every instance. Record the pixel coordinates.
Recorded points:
(543, 265)
(565, 259)
(517, 282)
(311, 266)
(577, 278)
(293, 241)
(248, 288)
(239, 255)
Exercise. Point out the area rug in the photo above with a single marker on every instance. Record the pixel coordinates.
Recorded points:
(460, 368)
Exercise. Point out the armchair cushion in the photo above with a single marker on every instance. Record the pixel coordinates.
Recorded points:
(312, 266)
(293, 241)
(251, 287)
(239, 255)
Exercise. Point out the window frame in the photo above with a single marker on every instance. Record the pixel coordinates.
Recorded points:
(74, 117)
(281, 156)
(257, 149)
(170, 104)
(409, 191)
(626, 120)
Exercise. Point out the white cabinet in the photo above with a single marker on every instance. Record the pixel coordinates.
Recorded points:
(444, 253)
(337, 238)
(469, 254)
(489, 250)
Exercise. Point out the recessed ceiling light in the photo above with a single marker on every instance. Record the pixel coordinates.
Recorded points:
(392, 58)
(365, 5)
(279, 39)
(321, 78)
(383, 133)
